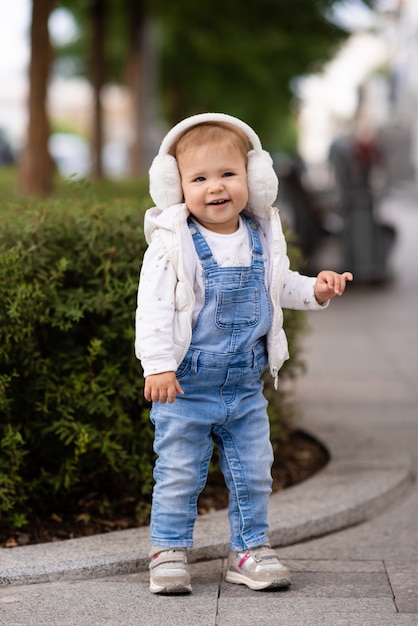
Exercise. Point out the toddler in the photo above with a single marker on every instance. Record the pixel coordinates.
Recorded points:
(209, 321)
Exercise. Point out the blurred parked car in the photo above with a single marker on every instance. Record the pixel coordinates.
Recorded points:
(71, 155)
(7, 156)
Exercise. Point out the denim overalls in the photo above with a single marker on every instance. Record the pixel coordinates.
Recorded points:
(222, 402)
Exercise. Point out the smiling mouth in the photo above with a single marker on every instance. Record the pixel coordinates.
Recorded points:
(218, 202)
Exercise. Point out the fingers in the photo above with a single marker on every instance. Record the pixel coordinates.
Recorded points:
(334, 283)
(340, 282)
(162, 388)
(162, 394)
(331, 281)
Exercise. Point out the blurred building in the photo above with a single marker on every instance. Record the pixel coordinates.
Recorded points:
(378, 61)
(402, 35)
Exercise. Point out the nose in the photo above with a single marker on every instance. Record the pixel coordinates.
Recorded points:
(215, 185)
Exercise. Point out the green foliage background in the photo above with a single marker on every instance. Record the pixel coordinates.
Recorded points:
(240, 57)
(74, 428)
(232, 56)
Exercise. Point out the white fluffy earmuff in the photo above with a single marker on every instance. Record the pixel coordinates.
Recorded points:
(164, 175)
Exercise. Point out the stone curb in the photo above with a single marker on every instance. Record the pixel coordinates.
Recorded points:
(357, 484)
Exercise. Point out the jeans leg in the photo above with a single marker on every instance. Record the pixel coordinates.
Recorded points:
(184, 447)
(246, 457)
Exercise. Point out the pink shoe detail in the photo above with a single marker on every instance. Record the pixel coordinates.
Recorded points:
(244, 559)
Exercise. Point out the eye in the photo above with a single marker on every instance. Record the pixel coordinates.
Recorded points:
(199, 179)
(227, 174)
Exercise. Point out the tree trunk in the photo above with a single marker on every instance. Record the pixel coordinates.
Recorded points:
(133, 72)
(36, 167)
(97, 73)
(140, 79)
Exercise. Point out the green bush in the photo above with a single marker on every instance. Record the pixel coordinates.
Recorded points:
(74, 428)
(74, 423)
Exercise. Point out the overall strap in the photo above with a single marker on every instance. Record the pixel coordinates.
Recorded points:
(255, 240)
(203, 251)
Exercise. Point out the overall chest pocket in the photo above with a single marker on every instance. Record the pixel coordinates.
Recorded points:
(238, 308)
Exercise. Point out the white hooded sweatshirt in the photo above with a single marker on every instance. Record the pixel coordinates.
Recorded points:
(171, 273)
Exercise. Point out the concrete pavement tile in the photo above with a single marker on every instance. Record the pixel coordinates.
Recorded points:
(124, 600)
(403, 577)
(341, 585)
(285, 609)
(367, 387)
(313, 613)
(368, 567)
(357, 414)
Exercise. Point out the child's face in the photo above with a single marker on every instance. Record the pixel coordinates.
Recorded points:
(214, 182)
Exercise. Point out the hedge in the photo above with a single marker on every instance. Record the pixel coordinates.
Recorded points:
(74, 426)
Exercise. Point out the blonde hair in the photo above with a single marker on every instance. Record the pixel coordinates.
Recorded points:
(211, 133)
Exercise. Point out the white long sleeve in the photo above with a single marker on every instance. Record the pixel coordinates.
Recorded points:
(154, 344)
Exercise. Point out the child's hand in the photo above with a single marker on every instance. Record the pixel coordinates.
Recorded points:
(329, 284)
(162, 387)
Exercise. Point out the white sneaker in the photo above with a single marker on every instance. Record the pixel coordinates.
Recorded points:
(168, 571)
(258, 568)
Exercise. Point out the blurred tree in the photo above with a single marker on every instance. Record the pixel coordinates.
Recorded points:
(36, 167)
(239, 56)
(213, 55)
(87, 56)
(97, 19)
(223, 55)
(112, 37)
(138, 70)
